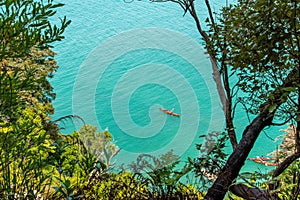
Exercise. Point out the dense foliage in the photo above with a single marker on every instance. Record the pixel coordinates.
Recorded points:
(261, 40)
(26, 63)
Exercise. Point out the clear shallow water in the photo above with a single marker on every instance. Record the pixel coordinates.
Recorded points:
(121, 62)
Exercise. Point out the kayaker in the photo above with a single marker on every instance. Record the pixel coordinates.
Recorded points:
(262, 158)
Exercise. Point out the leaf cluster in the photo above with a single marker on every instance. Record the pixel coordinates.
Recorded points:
(25, 147)
(261, 43)
(25, 24)
(99, 143)
(211, 157)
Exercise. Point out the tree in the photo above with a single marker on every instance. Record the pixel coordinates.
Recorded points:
(99, 143)
(26, 63)
(259, 42)
(26, 130)
(264, 53)
(236, 160)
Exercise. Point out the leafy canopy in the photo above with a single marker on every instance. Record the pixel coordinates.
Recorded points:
(261, 41)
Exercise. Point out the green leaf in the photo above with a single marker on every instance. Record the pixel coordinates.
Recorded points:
(58, 189)
(289, 89)
(57, 5)
(272, 108)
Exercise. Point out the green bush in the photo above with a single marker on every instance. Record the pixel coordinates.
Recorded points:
(121, 186)
(25, 146)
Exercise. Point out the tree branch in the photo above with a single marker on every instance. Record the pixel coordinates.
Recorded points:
(249, 193)
(284, 164)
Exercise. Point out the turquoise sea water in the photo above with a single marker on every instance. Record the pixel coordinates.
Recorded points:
(121, 62)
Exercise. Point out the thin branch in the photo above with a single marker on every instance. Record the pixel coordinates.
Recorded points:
(268, 136)
(69, 117)
(283, 123)
(284, 164)
(210, 13)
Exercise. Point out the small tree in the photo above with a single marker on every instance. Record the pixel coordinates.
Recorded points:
(99, 143)
(259, 42)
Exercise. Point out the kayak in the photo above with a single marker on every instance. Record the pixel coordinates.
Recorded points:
(260, 159)
(169, 112)
(264, 161)
(267, 163)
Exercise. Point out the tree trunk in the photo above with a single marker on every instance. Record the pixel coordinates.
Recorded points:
(297, 136)
(225, 98)
(250, 193)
